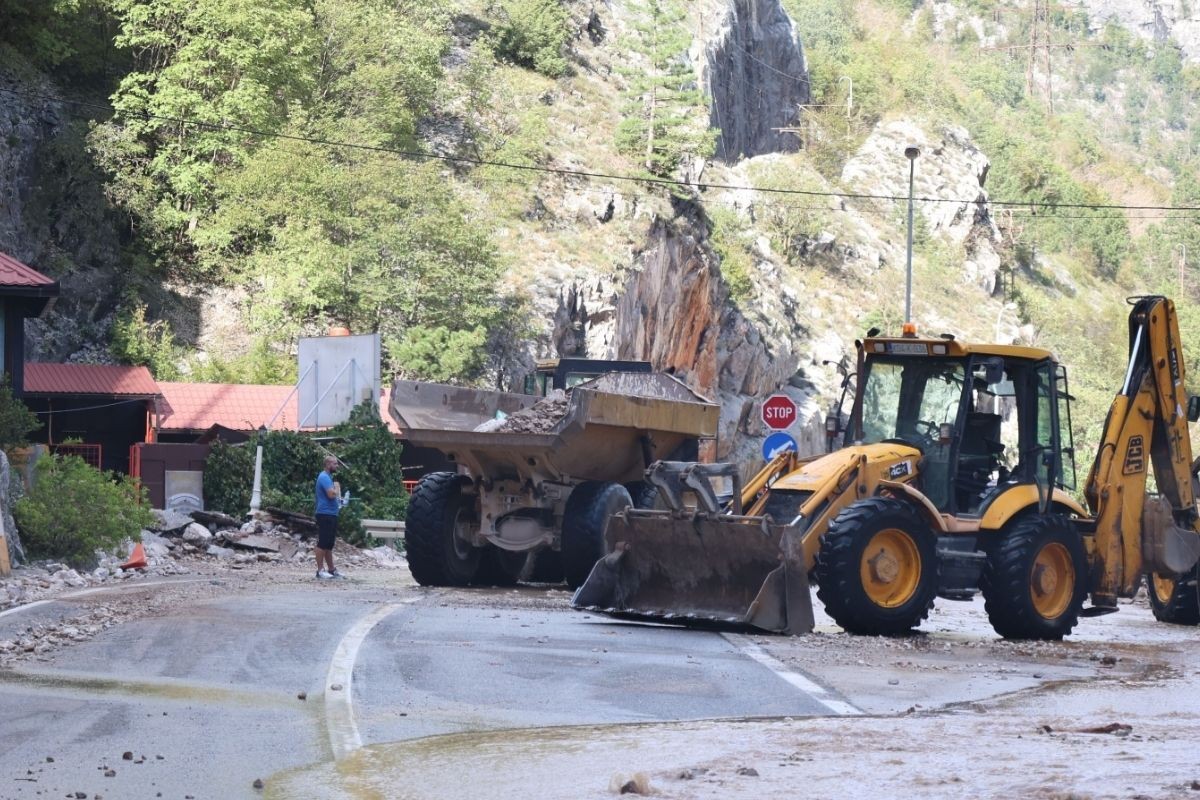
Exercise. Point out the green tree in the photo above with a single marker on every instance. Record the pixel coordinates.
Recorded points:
(367, 240)
(135, 340)
(213, 63)
(75, 509)
(16, 420)
(531, 33)
(664, 108)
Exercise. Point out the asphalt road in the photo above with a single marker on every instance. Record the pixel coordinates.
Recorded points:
(204, 694)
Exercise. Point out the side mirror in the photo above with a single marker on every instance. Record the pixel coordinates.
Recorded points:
(993, 369)
(1194, 408)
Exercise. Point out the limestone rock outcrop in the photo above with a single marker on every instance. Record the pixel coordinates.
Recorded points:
(755, 72)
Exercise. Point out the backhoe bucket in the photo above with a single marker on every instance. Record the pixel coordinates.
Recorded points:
(701, 567)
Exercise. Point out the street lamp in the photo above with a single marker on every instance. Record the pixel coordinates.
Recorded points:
(911, 153)
(256, 491)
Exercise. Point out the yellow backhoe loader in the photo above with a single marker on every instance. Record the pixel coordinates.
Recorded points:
(954, 479)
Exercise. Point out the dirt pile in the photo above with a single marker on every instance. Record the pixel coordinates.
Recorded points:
(543, 416)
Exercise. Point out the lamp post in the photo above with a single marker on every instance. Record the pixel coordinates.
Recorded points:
(1182, 266)
(256, 491)
(911, 153)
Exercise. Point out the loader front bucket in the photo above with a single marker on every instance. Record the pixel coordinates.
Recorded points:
(699, 567)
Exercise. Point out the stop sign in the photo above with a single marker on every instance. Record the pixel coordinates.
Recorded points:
(778, 412)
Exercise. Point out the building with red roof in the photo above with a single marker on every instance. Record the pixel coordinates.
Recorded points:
(24, 293)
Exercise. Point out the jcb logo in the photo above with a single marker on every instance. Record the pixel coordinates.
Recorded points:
(1135, 456)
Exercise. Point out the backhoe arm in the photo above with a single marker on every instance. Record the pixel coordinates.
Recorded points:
(1147, 419)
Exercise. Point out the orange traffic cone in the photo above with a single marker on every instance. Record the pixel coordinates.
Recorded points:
(137, 559)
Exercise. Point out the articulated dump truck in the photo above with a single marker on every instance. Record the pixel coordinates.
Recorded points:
(955, 478)
(537, 477)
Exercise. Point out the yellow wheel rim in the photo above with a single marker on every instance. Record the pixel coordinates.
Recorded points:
(891, 568)
(1052, 581)
(1163, 587)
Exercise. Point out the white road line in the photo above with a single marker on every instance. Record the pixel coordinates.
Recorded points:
(339, 703)
(97, 590)
(805, 684)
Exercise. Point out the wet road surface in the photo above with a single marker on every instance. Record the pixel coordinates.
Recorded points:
(205, 695)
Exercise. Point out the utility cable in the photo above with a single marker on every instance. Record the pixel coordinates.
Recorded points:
(577, 173)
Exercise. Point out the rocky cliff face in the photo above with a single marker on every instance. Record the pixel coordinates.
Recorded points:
(756, 75)
(1154, 20)
(54, 217)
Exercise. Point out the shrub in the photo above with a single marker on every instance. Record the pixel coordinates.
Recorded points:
(291, 461)
(75, 509)
(532, 33)
(16, 420)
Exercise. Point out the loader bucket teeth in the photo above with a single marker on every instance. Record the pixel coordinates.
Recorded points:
(728, 571)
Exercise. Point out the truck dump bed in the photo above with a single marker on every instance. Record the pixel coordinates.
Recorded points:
(607, 429)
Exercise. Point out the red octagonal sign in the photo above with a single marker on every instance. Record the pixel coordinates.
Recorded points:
(778, 412)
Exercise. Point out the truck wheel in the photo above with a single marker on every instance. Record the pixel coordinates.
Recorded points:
(1035, 579)
(1175, 600)
(436, 530)
(499, 567)
(877, 569)
(643, 493)
(584, 518)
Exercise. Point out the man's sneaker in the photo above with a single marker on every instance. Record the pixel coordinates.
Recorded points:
(322, 575)
(337, 575)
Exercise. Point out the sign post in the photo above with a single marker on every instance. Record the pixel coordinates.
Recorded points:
(779, 412)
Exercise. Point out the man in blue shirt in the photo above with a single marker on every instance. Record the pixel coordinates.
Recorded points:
(329, 503)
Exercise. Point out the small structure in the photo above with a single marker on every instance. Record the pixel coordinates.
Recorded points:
(24, 293)
(99, 410)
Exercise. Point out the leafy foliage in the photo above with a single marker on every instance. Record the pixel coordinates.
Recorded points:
(291, 461)
(75, 510)
(138, 341)
(532, 33)
(16, 420)
(440, 354)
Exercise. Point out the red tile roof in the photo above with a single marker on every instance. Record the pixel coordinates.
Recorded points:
(14, 273)
(240, 407)
(89, 379)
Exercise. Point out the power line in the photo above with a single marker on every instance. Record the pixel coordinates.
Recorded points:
(574, 173)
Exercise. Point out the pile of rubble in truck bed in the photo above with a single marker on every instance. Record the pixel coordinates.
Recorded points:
(178, 544)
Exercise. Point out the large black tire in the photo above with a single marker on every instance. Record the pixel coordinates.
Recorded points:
(584, 519)
(1035, 578)
(1175, 600)
(877, 569)
(643, 493)
(499, 567)
(436, 556)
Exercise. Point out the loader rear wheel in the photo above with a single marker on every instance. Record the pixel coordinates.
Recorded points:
(499, 567)
(584, 519)
(877, 570)
(436, 533)
(1175, 600)
(1035, 579)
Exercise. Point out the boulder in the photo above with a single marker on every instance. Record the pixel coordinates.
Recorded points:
(169, 522)
(219, 552)
(156, 546)
(195, 532)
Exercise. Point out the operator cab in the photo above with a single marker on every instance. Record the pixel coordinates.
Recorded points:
(567, 373)
(983, 417)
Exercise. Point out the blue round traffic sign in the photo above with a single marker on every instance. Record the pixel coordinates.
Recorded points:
(778, 442)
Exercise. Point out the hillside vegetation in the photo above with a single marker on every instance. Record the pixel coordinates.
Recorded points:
(218, 166)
